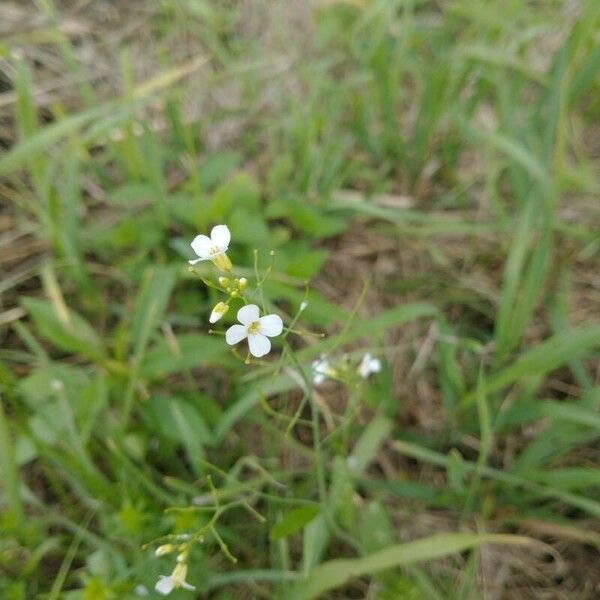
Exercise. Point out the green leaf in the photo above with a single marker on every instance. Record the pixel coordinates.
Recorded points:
(307, 265)
(376, 529)
(336, 573)
(68, 331)
(293, 522)
(545, 357)
(150, 306)
(311, 219)
(216, 168)
(368, 444)
(192, 350)
(178, 420)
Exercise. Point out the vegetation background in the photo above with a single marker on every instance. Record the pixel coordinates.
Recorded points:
(430, 167)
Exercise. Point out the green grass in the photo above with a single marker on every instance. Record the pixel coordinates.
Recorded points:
(429, 169)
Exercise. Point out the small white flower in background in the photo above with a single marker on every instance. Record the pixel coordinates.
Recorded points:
(257, 329)
(213, 248)
(321, 370)
(303, 306)
(218, 311)
(368, 365)
(166, 584)
(141, 590)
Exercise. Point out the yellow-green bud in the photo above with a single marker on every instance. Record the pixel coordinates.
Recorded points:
(183, 556)
(224, 282)
(218, 311)
(164, 549)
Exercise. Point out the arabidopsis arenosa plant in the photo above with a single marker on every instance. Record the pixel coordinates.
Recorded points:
(213, 248)
(166, 584)
(368, 365)
(257, 329)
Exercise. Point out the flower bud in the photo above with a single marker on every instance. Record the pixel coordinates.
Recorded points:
(242, 283)
(224, 282)
(164, 549)
(218, 311)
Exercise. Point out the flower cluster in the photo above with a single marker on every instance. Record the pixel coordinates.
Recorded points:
(252, 327)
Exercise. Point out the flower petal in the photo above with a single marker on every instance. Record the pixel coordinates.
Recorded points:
(186, 586)
(164, 585)
(318, 378)
(259, 344)
(201, 245)
(375, 365)
(220, 237)
(270, 325)
(248, 314)
(196, 260)
(368, 365)
(235, 334)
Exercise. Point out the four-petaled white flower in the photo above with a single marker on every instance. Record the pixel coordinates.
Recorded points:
(213, 248)
(257, 329)
(166, 584)
(368, 365)
(321, 370)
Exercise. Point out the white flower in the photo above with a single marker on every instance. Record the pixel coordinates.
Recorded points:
(218, 311)
(213, 248)
(166, 584)
(257, 329)
(368, 365)
(321, 370)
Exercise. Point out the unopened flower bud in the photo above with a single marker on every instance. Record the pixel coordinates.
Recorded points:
(218, 311)
(225, 281)
(242, 283)
(164, 549)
